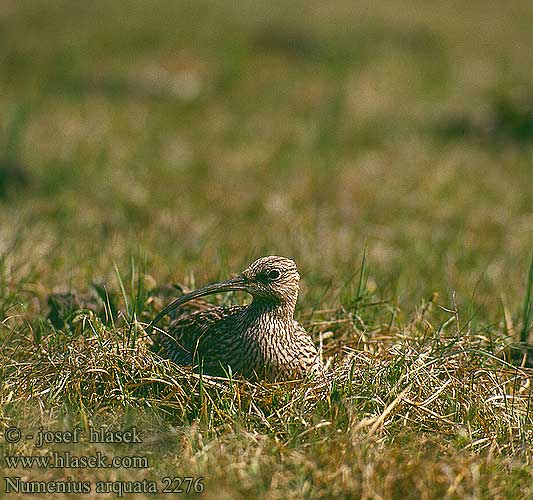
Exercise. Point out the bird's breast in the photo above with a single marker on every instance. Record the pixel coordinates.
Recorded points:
(270, 345)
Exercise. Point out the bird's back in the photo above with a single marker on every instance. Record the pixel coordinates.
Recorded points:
(205, 337)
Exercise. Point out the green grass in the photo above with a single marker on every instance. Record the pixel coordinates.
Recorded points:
(386, 149)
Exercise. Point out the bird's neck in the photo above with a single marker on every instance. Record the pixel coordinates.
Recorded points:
(278, 311)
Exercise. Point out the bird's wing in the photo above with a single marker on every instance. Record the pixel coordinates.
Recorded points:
(309, 359)
(192, 334)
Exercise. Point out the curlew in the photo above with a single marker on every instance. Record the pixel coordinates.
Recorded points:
(259, 340)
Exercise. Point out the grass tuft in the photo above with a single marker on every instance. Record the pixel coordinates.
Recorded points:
(527, 311)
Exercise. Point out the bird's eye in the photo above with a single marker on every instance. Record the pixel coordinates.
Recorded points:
(273, 275)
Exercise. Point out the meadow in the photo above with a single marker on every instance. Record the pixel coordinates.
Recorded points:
(386, 147)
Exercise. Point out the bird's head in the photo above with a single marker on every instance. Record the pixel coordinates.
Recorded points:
(272, 279)
(269, 280)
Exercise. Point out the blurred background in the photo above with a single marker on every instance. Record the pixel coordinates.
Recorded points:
(197, 136)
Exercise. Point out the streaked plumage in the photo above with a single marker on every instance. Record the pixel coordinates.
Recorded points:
(259, 340)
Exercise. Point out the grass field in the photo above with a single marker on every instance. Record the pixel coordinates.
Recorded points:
(386, 147)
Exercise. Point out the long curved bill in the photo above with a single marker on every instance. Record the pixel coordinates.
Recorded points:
(233, 284)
